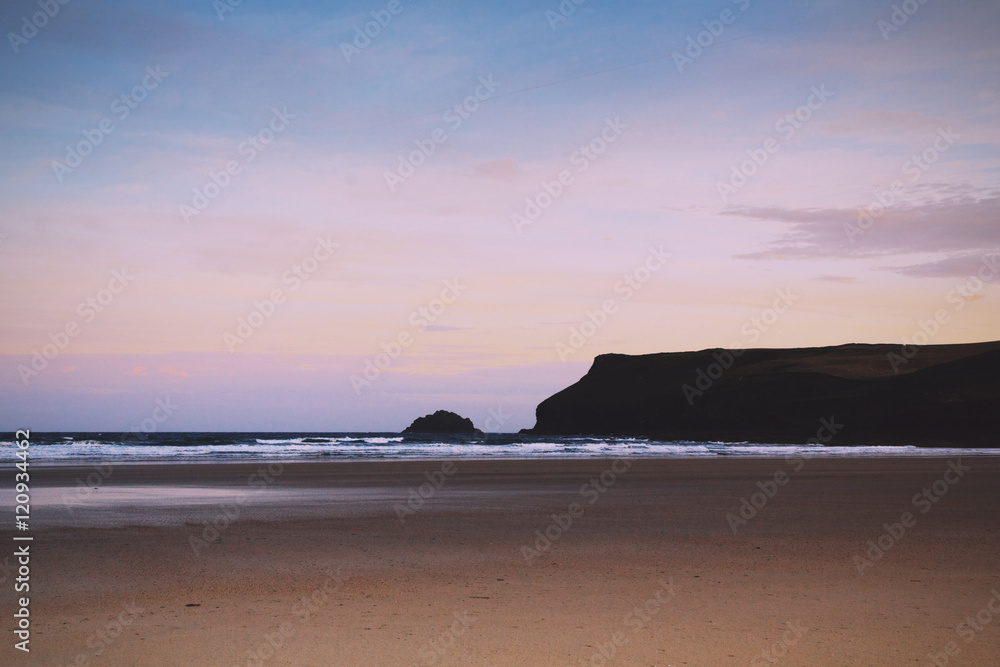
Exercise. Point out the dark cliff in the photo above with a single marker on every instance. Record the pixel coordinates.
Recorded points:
(940, 395)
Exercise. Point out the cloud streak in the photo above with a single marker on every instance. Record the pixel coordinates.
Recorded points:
(959, 226)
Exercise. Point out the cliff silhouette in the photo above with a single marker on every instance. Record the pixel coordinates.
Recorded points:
(933, 395)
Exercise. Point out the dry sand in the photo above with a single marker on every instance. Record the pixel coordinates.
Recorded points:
(451, 586)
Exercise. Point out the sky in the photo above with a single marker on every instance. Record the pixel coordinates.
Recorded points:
(340, 216)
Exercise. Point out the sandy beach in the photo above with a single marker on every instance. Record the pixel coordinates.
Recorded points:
(573, 562)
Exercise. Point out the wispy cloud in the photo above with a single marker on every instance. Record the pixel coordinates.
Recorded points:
(438, 327)
(959, 226)
(958, 266)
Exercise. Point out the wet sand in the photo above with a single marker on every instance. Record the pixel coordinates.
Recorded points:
(346, 564)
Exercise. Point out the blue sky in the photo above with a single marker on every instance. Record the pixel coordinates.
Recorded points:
(927, 86)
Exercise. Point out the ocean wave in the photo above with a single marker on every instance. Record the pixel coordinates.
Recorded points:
(159, 447)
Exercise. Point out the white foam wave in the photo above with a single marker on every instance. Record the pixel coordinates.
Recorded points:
(488, 447)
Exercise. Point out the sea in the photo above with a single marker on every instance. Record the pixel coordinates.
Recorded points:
(75, 448)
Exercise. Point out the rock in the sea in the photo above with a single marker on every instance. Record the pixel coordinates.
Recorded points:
(442, 421)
